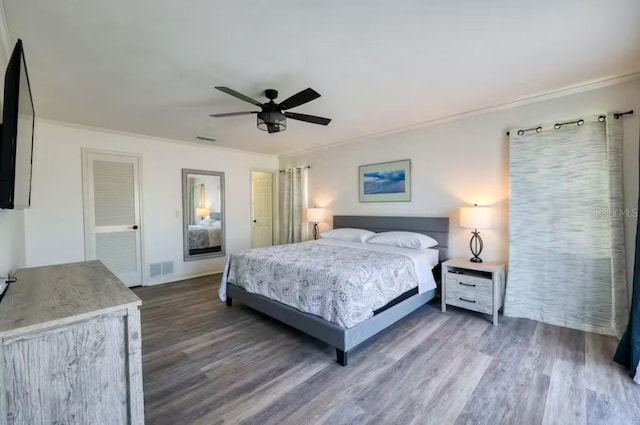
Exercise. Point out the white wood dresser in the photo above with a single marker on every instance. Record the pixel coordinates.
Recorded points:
(70, 348)
(475, 286)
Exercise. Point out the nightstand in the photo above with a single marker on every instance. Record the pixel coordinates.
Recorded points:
(474, 286)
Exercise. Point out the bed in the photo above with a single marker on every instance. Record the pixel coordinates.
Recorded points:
(205, 237)
(339, 293)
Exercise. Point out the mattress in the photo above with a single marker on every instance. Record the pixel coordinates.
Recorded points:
(342, 282)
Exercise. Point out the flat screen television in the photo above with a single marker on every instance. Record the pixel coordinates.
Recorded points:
(16, 135)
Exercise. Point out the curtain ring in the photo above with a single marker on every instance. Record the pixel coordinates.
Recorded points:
(601, 118)
(616, 115)
(538, 130)
(580, 122)
(520, 132)
(557, 126)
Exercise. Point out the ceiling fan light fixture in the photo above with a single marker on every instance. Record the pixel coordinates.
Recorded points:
(273, 116)
(272, 121)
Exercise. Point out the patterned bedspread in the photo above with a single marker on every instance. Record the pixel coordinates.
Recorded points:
(198, 238)
(204, 236)
(343, 285)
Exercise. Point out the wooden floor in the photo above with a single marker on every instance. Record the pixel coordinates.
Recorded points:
(205, 363)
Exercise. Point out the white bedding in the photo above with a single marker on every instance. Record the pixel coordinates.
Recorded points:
(424, 259)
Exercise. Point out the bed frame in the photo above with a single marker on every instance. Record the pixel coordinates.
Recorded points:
(343, 339)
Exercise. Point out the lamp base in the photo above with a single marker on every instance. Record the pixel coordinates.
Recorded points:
(476, 245)
(316, 233)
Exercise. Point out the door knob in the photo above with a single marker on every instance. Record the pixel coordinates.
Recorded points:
(135, 227)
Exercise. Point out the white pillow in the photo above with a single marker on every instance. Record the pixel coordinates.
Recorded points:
(403, 240)
(355, 235)
(207, 222)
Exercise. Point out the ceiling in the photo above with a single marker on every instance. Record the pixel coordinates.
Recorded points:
(149, 67)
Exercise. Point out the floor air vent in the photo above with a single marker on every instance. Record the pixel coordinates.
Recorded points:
(155, 269)
(167, 267)
(160, 269)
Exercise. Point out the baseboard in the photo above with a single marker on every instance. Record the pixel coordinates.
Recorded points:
(161, 280)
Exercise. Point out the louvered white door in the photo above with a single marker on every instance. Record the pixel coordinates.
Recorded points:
(112, 214)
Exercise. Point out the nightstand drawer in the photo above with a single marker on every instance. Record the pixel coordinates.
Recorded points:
(470, 285)
(476, 302)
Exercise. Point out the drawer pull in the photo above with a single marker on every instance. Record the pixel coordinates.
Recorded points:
(466, 300)
(467, 284)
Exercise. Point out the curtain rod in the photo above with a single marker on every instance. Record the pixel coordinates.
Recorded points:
(558, 126)
(295, 168)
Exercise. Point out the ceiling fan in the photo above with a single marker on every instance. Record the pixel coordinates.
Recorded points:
(273, 116)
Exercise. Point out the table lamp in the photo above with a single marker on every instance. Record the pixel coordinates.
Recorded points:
(203, 213)
(475, 218)
(315, 216)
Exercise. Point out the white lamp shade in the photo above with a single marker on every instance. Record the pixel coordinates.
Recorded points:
(203, 212)
(315, 215)
(475, 217)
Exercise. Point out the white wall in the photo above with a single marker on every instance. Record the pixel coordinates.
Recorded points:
(464, 162)
(12, 250)
(54, 224)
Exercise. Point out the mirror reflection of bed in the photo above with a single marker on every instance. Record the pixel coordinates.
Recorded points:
(204, 237)
(203, 209)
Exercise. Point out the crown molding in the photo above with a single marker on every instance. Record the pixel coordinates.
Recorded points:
(51, 122)
(540, 97)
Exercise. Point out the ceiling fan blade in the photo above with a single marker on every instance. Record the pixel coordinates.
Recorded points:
(241, 96)
(233, 114)
(272, 128)
(308, 118)
(306, 95)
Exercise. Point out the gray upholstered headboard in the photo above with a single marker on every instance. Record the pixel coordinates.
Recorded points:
(436, 227)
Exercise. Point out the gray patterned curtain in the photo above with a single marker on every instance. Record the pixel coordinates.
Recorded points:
(197, 193)
(567, 260)
(628, 352)
(192, 206)
(293, 194)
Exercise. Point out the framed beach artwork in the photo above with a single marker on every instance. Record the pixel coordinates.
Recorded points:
(386, 182)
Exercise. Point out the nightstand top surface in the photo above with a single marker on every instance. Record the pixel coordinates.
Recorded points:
(466, 264)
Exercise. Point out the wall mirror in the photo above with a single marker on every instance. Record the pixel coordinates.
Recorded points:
(203, 214)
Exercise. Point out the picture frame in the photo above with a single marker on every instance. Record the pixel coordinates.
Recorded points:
(385, 182)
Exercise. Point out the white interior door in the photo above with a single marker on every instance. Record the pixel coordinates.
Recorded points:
(261, 209)
(112, 214)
